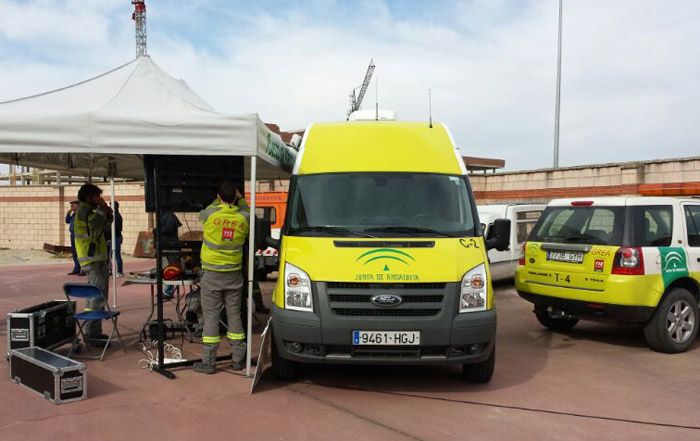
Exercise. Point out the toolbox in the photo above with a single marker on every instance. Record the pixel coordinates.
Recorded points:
(56, 378)
(48, 325)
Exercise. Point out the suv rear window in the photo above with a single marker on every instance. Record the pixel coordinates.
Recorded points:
(638, 226)
(586, 225)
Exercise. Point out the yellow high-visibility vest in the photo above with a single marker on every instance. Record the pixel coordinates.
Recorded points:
(225, 231)
(90, 241)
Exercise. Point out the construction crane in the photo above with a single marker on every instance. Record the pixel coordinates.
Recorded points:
(356, 100)
(139, 17)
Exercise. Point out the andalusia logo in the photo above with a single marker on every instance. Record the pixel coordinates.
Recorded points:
(386, 256)
(674, 263)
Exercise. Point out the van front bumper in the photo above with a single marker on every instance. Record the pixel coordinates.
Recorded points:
(324, 336)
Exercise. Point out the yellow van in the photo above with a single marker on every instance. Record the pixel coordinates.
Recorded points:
(382, 260)
(627, 259)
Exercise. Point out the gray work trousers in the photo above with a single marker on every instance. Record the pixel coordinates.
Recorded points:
(97, 274)
(221, 289)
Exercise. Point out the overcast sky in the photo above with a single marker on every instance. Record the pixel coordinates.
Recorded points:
(631, 69)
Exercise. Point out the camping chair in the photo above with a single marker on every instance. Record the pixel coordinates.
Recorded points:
(89, 291)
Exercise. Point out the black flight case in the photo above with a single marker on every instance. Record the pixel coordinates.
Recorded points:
(48, 325)
(54, 377)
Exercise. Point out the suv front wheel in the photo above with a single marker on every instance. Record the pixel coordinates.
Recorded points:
(554, 319)
(674, 325)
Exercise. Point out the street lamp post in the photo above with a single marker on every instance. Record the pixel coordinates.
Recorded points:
(557, 103)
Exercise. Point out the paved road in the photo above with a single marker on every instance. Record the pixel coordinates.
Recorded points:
(596, 382)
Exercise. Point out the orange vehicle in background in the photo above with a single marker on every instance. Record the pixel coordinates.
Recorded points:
(270, 206)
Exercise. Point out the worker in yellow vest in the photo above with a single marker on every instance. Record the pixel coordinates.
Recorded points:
(92, 224)
(226, 225)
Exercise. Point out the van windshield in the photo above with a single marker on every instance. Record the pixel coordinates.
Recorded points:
(380, 205)
(585, 225)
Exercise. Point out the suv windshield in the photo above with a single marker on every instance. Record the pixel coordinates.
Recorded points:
(585, 225)
(380, 205)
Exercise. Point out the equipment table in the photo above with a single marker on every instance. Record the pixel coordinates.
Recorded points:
(179, 295)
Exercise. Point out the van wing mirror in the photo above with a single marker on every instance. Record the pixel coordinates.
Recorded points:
(499, 235)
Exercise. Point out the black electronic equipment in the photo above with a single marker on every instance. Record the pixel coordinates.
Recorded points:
(188, 183)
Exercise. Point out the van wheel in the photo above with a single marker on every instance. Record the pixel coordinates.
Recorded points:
(674, 325)
(553, 319)
(480, 372)
(282, 369)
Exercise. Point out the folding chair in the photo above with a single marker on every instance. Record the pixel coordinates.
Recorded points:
(88, 292)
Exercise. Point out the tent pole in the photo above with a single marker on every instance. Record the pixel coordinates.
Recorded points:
(114, 247)
(251, 262)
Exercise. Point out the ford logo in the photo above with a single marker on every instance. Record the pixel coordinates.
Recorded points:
(386, 300)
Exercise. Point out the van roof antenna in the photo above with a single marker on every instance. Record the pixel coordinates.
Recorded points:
(376, 98)
(430, 107)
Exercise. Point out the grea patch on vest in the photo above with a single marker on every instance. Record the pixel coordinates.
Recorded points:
(227, 234)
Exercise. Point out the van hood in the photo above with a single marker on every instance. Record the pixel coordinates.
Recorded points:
(386, 260)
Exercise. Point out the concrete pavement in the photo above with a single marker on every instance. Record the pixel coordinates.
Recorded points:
(595, 382)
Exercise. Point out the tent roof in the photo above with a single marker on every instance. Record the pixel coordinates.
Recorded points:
(103, 126)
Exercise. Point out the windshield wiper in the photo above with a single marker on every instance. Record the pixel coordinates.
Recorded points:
(398, 229)
(332, 230)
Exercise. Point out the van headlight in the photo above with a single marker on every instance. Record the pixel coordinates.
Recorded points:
(474, 291)
(297, 289)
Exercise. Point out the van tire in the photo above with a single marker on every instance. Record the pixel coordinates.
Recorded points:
(282, 369)
(544, 316)
(656, 329)
(480, 372)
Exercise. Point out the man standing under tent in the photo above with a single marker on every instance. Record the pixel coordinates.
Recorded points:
(92, 223)
(226, 226)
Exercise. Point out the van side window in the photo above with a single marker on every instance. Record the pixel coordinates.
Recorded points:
(692, 221)
(526, 221)
(652, 225)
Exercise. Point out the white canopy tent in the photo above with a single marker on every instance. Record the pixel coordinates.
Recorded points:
(103, 126)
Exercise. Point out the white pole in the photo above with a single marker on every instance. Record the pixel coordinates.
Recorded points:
(558, 97)
(251, 262)
(114, 247)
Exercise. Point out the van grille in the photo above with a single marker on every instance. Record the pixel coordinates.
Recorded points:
(354, 285)
(386, 312)
(355, 299)
(387, 351)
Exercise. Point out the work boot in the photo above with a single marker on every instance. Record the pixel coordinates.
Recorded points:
(238, 352)
(208, 363)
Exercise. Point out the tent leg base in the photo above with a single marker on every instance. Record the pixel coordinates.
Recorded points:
(164, 372)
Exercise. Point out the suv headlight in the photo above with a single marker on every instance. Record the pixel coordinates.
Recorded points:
(297, 289)
(474, 291)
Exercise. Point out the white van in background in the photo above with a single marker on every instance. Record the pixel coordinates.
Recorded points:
(522, 218)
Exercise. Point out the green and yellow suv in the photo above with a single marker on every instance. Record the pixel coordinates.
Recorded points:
(626, 259)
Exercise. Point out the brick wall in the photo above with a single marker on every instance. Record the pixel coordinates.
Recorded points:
(33, 215)
(673, 177)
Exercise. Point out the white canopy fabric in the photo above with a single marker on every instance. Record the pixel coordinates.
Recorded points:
(103, 126)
